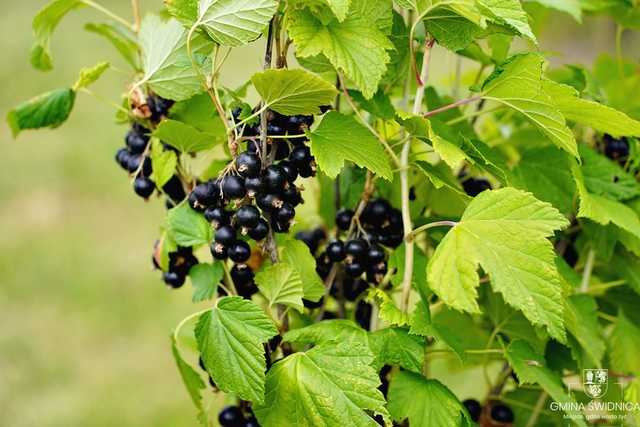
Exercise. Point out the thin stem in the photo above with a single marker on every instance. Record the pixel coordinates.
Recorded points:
(454, 105)
(606, 286)
(473, 115)
(607, 317)
(535, 414)
(412, 235)
(187, 319)
(229, 280)
(588, 268)
(135, 8)
(619, 31)
(109, 13)
(106, 101)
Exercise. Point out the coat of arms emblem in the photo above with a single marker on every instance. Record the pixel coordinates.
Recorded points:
(595, 382)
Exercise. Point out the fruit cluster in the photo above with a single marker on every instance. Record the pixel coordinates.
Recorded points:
(180, 262)
(494, 414)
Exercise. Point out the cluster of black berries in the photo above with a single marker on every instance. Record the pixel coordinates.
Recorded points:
(134, 156)
(616, 149)
(180, 262)
(498, 412)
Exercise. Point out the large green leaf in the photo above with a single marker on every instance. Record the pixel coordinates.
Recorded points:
(625, 341)
(297, 254)
(425, 402)
(120, 37)
(451, 30)
(509, 13)
(531, 368)
(394, 346)
(184, 137)
(356, 46)
(581, 318)
(504, 231)
(339, 138)
(168, 70)
(341, 330)
(292, 92)
(44, 24)
(281, 284)
(605, 177)
(235, 22)
(330, 385)
(188, 227)
(519, 85)
(50, 110)
(185, 11)
(230, 339)
(572, 7)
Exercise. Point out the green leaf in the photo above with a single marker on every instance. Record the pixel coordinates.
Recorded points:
(185, 11)
(425, 402)
(395, 347)
(188, 227)
(167, 67)
(518, 84)
(50, 110)
(292, 92)
(625, 341)
(380, 105)
(191, 380)
(235, 23)
(339, 138)
(605, 177)
(339, 8)
(572, 7)
(589, 113)
(230, 338)
(439, 179)
(531, 369)
(509, 13)
(627, 266)
(281, 284)
(356, 46)
(163, 162)
(200, 113)
(184, 137)
(120, 37)
(581, 318)
(330, 385)
(340, 330)
(389, 312)
(296, 254)
(88, 76)
(505, 231)
(205, 279)
(44, 24)
(452, 31)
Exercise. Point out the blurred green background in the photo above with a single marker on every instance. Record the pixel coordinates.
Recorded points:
(84, 321)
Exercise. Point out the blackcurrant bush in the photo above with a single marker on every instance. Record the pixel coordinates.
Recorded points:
(335, 251)
(260, 231)
(343, 219)
(249, 165)
(376, 255)
(356, 249)
(616, 148)
(254, 186)
(205, 194)
(501, 413)
(268, 202)
(475, 186)
(354, 269)
(290, 171)
(143, 187)
(231, 416)
(136, 142)
(233, 187)
(239, 251)
(225, 235)
(363, 314)
(474, 408)
(122, 157)
(173, 279)
(217, 216)
(301, 157)
(247, 217)
(275, 179)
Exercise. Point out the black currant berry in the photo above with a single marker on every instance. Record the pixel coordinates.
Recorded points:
(225, 235)
(319, 235)
(254, 186)
(143, 187)
(159, 106)
(247, 217)
(239, 251)
(231, 416)
(501, 413)
(217, 216)
(335, 251)
(285, 214)
(475, 186)
(241, 274)
(301, 157)
(268, 202)
(352, 288)
(292, 195)
(280, 227)
(376, 212)
(297, 124)
(122, 158)
(307, 171)
(174, 189)
(249, 165)
(312, 304)
(356, 249)
(282, 149)
(290, 171)
(136, 142)
(251, 422)
(173, 279)
(354, 269)
(193, 202)
(275, 178)
(474, 408)
(260, 231)
(343, 219)
(274, 130)
(219, 251)
(233, 187)
(363, 314)
(205, 194)
(616, 149)
(377, 272)
(376, 255)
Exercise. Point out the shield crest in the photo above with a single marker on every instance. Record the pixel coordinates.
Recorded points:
(595, 382)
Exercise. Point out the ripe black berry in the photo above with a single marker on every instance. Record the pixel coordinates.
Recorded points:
(260, 231)
(239, 251)
(225, 235)
(376, 255)
(285, 214)
(363, 314)
(217, 216)
(122, 157)
(274, 130)
(241, 274)
(616, 148)
(143, 187)
(308, 170)
(247, 216)
(377, 272)
(174, 189)
(335, 251)
(275, 178)
(231, 416)
(376, 213)
(136, 142)
(343, 219)
(193, 202)
(249, 165)
(254, 186)
(323, 266)
(474, 408)
(357, 249)
(251, 422)
(205, 194)
(301, 157)
(292, 195)
(219, 251)
(354, 269)
(312, 304)
(475, 186)
(296, 124)
(290, 171)
(233, 187)
(282, 150)
(173, 279)
(501, 413)
(268, 202)
(352, 288)
(159, 106)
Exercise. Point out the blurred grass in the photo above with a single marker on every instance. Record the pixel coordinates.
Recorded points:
(84, 321)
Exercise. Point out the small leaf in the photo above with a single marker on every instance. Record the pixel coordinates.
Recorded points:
(185, 11)
(292, 92)
(205, 279)
(572, 7)
(296, 254)
(388, 310)
(605, 177)
(188, 227)
(44, 24)
(509, 13)
(281, 284)
(439, 179)
(47, 110)
(120, 37)
(88, 76)
(163, 164)
(230, 338)
(184, 137)
(339, 138)
(395, 347)
(191, 379)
